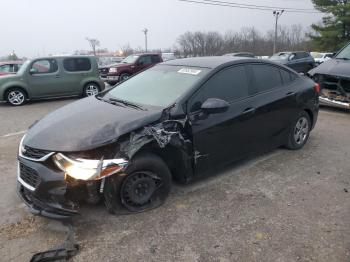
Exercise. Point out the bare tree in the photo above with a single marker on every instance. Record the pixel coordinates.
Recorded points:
(94, 42)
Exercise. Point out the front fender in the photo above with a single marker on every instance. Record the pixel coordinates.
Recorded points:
(6, 86)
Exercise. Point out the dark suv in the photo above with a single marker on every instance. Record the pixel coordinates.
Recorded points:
(131, 65)
(177, 120)
(300, 61)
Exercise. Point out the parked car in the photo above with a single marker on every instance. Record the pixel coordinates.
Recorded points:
(334, 78)
(10, 67)
(178, 120)
(51, 77)
(241, 54)
(168, 56)
(300, 61)
(103, 70)
(132, 65)
(321, 57)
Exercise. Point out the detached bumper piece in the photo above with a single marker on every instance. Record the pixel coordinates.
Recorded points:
(44, 208)
(61, 253)
(334, 103)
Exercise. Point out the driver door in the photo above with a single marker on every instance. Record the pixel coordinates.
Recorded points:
(223, 137)
(143, 62)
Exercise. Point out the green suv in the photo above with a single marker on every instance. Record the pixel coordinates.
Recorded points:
(52, 77)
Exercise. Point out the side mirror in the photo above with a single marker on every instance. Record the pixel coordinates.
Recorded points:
(32, 71)
(214, 106)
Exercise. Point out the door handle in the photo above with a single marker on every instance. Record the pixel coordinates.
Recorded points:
(290, 94)
(249, 110)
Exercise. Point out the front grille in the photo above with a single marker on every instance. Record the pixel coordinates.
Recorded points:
(29, 175)
(34, 153)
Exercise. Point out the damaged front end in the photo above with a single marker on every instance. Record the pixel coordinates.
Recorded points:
(335, 90)
(53, 183)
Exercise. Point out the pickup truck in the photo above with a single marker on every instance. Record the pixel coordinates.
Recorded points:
(131, 65)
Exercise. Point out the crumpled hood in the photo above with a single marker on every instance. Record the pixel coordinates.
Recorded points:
(334, 67)
(86, 124)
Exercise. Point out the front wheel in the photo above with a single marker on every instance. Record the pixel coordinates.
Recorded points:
(16, 97)
(299, 132)
(91, 89)
(146, 186)
(124, 77)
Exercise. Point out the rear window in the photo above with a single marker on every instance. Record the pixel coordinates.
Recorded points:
(77, 64)
(266, 77)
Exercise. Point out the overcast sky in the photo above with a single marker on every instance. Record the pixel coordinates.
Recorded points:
(41, 27)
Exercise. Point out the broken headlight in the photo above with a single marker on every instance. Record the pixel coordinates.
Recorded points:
(87, 169)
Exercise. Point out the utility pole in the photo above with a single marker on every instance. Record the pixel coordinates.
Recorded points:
(277, 14)
(145, 31)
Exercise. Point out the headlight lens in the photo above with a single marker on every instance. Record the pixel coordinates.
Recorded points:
(87, 169)
(113, 70)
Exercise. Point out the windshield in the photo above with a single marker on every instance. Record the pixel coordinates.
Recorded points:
(280, 56)
(130, 59)
(159, 86)
(23, 67)
(345, 53)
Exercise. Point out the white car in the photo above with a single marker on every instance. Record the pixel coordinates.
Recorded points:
(321, 57)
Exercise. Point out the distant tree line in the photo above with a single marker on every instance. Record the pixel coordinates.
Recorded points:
(248, 39)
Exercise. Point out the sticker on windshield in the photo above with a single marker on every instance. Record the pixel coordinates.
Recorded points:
(189, 71)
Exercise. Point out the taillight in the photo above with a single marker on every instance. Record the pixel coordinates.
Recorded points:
(317, 87)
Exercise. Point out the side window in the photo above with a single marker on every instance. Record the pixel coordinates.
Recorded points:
(267, 77)
(155, 59)
(145, 60)
(5, 68)
(229, 84)
(287, 77)
(77, 64)
(44, 66)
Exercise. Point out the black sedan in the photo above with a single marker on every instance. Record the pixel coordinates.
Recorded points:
(177, 120)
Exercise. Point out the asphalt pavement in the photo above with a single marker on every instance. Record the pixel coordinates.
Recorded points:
(279, 206)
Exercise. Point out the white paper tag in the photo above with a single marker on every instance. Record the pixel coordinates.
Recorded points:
(189, 71)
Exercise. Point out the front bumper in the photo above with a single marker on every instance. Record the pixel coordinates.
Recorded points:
(45, 191)
(330, 102)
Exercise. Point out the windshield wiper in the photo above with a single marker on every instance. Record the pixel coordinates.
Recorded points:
(126, 103)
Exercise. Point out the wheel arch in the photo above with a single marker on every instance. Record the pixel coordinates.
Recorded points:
(7, 89)
(311, 115)
(177, 160)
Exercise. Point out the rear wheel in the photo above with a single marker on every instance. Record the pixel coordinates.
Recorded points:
(16, 96)
(91, 89)
(146, 185)
(299, 132)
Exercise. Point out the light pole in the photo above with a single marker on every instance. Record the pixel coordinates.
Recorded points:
(277, 14)
(145, 31)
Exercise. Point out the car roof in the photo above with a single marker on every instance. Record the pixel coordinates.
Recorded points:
(11, 62)
(209, 61)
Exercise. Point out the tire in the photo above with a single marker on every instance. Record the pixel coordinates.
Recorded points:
(91, 89)
(146, 186)
(299, 132)
(16, 97)
(123, 77)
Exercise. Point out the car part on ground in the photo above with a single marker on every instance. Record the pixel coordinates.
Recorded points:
(173, 121)
(334, 78)
(63, 252)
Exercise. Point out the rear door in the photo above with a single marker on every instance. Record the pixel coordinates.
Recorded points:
(223, 137)
(76, 69)
(274, 101)
(43, 78)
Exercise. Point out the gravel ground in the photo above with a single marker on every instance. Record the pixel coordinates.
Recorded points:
(280, 206)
